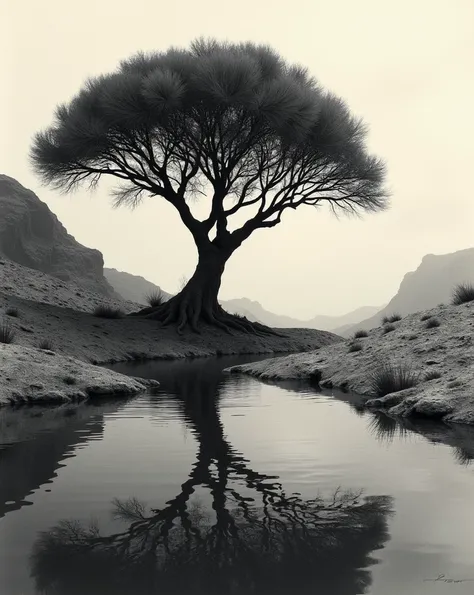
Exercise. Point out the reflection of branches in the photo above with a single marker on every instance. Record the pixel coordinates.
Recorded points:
(253, 538)
(289, 547)
(277, 544)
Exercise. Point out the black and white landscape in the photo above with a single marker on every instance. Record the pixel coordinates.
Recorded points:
(236, 299)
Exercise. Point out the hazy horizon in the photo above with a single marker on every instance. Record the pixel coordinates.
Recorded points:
(406, 70)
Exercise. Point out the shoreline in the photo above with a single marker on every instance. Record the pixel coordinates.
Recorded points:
(45, 329)
(439, 357)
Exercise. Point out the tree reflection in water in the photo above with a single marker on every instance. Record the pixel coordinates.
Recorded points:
(253, 538)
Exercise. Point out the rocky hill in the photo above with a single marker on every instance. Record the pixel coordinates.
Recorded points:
(36, 286)
(430, 285)
(32, 236)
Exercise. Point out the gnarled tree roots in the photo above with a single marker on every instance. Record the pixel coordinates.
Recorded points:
(190, 310)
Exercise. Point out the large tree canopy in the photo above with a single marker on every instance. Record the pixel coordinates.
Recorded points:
(232, 122)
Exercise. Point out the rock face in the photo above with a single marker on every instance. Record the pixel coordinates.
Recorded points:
(430, 285)
(31, 235)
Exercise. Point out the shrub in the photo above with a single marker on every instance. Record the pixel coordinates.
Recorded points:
(432, 323)
(426, 317)
(360, 334)
(7, 333)
(69, 380)
(388, 328)
(12, 312)
(46, 344)
(154, 298)
(105, 311)
(432, 375)
(395, 317)
(356, 346)
(463, 293)
(389, 378)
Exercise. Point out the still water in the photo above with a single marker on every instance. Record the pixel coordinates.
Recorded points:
(221, 484)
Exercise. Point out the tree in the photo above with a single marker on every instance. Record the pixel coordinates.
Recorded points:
(232, 122)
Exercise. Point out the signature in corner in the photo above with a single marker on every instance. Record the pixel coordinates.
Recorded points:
(444, 579)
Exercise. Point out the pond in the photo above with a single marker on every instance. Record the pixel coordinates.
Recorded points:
(221, 484)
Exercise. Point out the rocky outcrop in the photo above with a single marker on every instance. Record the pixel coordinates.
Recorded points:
(29, 375)
(430, 285)
(31, 235)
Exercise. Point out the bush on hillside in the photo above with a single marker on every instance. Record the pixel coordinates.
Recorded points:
(7, 333)
(463, 293)
(105, 311)
(154, 298)
(390, 378)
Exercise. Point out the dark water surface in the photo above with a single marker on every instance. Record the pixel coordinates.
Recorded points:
(220, 484)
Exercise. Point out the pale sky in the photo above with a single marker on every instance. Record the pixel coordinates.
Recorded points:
(405, 67)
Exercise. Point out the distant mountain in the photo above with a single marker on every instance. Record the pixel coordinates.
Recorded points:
(134, 288)
(331, 322)
(324, 323)
(431, 284)
(32, 236)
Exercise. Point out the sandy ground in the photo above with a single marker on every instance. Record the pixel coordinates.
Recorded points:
(47, 309)
(29, 375)
(446, 350)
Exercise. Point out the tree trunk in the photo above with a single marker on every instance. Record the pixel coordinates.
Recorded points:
(197, 301)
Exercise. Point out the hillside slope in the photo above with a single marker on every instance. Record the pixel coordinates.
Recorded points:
(436, 349)
(32, 236)
(429, 285)
(133, 288)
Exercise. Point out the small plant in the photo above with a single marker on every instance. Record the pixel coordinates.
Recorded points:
(154, 298)
(355, 346)
(12, 312)
(426, 317)
(388, 328)
(7, 333)
(105, 311)
(432, 323)
(432, 375)
(70, 380)
(395, 317)
(463, 293)
(389, 378)
(360, 334)
(46, 345)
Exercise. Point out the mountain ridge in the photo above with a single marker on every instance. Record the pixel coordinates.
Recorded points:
(429, 285)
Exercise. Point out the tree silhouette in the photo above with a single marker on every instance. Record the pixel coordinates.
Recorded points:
(253, 538)
(233, 122)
